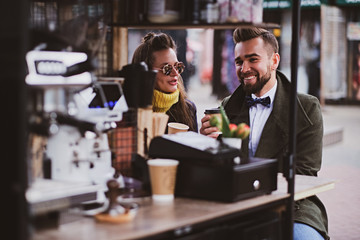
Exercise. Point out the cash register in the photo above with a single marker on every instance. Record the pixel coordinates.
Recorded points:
(212, 170)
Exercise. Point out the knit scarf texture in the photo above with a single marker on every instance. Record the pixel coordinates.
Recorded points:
(162, 102)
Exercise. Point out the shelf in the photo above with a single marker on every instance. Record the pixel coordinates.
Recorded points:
(199, 25)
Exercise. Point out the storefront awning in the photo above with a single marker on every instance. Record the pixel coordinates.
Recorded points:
(347, 2)
(276, 4)
(286, 4)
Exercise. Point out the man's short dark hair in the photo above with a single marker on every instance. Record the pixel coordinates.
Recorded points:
(244, 34)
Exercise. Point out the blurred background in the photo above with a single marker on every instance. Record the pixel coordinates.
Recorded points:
(328, 52)
(329, 68)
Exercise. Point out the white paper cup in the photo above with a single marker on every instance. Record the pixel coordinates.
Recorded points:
(162, 178)
(175, 127)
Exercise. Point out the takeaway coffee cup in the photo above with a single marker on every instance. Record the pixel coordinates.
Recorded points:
(214, 112)
(175, 127)
(162, 178)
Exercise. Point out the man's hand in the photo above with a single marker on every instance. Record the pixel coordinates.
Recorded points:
(207, 129)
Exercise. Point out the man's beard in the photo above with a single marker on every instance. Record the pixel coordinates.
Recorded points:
(258, 85)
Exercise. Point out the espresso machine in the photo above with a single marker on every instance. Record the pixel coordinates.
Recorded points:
(72, 112)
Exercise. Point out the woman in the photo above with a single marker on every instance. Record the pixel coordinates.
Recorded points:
(158, 51)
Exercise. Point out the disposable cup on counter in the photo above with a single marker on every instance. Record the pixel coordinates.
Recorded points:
(163, 178)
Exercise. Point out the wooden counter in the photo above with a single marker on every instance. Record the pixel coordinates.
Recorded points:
(183, 214)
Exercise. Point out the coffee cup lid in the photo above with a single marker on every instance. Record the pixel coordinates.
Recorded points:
(212, 110)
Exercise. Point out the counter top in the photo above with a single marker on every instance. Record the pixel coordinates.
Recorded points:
(153, 218)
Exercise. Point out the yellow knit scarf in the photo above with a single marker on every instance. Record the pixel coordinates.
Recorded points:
(162, 102)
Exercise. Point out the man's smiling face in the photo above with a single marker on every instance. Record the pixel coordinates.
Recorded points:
(253, 65)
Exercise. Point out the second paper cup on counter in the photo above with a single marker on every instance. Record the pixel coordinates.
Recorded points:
(162, 178)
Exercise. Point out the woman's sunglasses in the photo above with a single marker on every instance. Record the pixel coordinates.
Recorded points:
(167, 69)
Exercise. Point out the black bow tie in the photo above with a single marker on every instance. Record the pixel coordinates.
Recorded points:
(251, 102)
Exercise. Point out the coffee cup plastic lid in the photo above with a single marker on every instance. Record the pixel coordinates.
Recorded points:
(212, 110)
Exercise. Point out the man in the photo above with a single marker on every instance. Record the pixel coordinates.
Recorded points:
(257, 60)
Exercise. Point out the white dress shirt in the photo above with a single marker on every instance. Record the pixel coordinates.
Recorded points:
(258, 117)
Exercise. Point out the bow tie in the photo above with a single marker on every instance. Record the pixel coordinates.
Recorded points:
(251, 102)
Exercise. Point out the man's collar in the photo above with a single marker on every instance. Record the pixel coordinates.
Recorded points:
(270, 93)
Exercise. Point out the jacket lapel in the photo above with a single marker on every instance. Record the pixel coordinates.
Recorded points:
(274, 137)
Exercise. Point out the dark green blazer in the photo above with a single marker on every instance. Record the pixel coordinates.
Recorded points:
(274, 141)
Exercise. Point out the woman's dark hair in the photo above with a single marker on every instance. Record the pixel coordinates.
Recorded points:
(153, 42)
